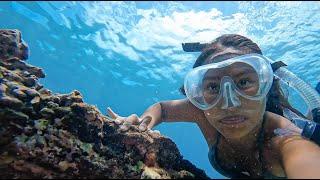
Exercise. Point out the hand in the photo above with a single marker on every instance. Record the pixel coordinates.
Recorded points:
(126, 122)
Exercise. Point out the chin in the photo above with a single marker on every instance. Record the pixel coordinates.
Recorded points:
(235, 131)
(234, 134)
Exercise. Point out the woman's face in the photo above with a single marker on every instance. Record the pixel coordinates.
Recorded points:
(237, 121)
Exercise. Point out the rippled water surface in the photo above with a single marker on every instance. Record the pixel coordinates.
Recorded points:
(128, 55)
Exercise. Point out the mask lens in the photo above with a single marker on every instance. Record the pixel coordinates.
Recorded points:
(245, 78)
(211, 85)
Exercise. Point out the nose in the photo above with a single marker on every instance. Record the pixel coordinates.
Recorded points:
(230, 98)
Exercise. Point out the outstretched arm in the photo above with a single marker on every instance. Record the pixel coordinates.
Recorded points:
(300, 158)
(181, 110)
(165, 111)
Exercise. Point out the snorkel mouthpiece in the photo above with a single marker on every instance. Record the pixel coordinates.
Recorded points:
(230, 99)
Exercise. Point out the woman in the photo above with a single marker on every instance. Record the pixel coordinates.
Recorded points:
(237, 110)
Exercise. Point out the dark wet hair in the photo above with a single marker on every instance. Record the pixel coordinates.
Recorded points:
(276, 99)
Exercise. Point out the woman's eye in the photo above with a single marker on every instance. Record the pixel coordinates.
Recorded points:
(244, 83)
(213, 88)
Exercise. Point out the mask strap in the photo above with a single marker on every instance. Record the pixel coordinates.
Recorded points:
(194, 47)
(276, 65)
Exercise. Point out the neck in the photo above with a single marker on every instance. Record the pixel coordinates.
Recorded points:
(248, 142)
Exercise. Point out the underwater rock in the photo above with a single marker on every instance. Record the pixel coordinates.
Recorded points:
(10, 102)
(47, 113)
(31, 92)
(30, 81)
(3, 88)
(15, 63)
(19, 94)
(11, 45)
(47, 135)
(13, 116)
(35, 100)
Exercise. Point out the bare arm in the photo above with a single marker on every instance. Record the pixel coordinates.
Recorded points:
(180, 111)
(300, 157)
(173, 111)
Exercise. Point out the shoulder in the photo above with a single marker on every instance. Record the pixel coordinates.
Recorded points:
(274, 122)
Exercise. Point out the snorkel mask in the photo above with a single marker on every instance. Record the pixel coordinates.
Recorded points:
(249, 76)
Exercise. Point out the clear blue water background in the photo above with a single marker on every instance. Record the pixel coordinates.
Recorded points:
(128, 55)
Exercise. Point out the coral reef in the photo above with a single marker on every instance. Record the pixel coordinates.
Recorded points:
(48, 135)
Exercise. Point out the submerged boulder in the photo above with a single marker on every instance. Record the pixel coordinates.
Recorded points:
(48, 135)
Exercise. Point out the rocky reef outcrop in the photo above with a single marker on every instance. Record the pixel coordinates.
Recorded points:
(49, 135)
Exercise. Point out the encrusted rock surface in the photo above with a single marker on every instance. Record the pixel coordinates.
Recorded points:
(48, 135)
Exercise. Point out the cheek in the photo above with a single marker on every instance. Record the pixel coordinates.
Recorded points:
(257, 106)
(254, 110)
(212, 116)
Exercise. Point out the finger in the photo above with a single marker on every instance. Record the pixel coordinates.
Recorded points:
(132, 119)
(119, 120)
(156, 131)
(145, 122)
(112, 114)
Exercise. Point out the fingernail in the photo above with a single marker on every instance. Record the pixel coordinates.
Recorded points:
(156, 131)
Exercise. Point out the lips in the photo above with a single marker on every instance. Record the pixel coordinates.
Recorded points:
(233, 119)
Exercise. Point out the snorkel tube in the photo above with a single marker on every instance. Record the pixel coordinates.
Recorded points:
(310, 95)
(310, 129)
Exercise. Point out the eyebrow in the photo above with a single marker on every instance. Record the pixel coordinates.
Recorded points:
(211, 77)
(245, 71)
(241, 73)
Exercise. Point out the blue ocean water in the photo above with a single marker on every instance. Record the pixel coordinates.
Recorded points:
(128, 55)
